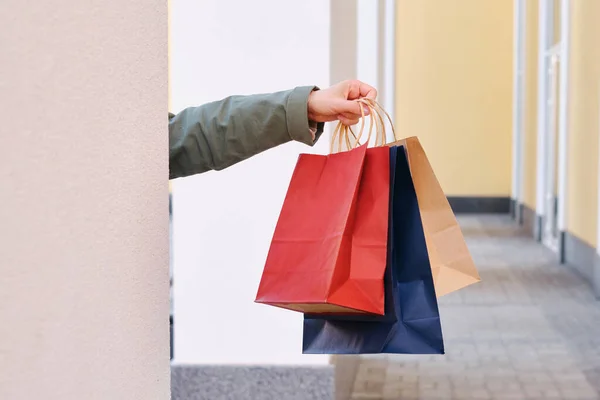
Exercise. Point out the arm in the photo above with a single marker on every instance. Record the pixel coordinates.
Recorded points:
(219, 134)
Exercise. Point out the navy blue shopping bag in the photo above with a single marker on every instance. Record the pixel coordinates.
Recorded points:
(411, 324)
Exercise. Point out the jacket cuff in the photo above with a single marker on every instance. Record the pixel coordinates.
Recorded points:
(297, 116)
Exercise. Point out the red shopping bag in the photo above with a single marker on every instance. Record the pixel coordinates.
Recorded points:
(328, 253)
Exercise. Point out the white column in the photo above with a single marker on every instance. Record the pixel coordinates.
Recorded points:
(518, 105)
(543, 40)
(375, 54)
(367, 43)
(343, 39)
(563, 115)
(223, 221)
(84, 202)
(367, 62)
(342, 43)
(389, 57)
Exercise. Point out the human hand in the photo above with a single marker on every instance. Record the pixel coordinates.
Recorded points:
(338, 102)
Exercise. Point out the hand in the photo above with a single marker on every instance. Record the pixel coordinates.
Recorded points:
(338, 102)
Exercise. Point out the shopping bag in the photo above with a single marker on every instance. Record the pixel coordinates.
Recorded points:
(411, 324)
(451, 262)
(328, 252)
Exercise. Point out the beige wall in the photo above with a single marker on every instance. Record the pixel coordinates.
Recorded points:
(556, 5)
(454, 90)
(583, 119)
(531, 87)
(84, 216)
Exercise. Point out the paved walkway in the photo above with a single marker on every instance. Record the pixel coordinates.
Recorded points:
(529, 330)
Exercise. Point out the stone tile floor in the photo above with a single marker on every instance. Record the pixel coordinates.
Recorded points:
(529, 330)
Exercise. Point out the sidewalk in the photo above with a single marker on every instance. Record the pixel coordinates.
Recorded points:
(529, 330)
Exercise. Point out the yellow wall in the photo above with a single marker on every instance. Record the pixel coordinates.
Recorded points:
(454, 90)
(583, 119)
(531, 77)
(557, 19)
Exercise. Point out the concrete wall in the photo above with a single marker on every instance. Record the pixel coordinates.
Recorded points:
(454, 90)
(223, 221)
(84, 206)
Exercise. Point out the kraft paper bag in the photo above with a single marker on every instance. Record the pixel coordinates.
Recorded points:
(451, 262)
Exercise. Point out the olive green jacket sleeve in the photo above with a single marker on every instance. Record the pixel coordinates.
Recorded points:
(219, 134)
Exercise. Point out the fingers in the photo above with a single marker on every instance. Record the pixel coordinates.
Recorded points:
(351, 109)
(343, 101)
(348, 120)
(357, 90)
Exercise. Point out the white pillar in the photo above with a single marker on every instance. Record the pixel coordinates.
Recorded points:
(375, 52)
(388, 83)
(343, 40)
(368, 61)
(542, 105)
(343, 48)
(518, 106)
(84, 200)
(563, 117)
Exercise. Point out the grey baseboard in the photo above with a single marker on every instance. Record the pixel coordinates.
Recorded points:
(480, 205)
(596, 277)
(516, 211)
(212, 382)
(531, 222)
(513, 208)
(583, 258)
(538, 228)
(562, 247)
(171, 346)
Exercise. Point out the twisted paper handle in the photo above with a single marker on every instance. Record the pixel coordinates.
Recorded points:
(343, 132)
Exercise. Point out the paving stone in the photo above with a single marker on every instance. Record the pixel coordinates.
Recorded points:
(391, 394)
(435, 394)
(471, 394)
(579, 394)
(535, 378)
(529, 330)
(508, 396)
(593, 376)
(551, 394)
(410, 393)
(365, 396)
(532, 392)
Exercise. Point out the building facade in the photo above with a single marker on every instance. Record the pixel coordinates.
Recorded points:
(556, 128)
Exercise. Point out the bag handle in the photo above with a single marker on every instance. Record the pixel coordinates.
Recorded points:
(387, 116)
(379, 110)
(343, 132)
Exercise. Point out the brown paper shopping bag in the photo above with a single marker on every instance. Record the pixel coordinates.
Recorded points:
(451, 262)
